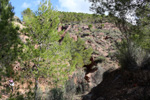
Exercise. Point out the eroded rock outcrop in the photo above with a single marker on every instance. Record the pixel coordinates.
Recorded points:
(77, 84)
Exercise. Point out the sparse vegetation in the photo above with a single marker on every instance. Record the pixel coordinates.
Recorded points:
(43, 67)
(90, 26)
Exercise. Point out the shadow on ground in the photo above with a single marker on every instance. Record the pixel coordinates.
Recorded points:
(122, 85)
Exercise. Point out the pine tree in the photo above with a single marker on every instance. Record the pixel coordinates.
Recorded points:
(28, 13)
(51, 59)
(10, 43)
(143, 23)
(42, 33)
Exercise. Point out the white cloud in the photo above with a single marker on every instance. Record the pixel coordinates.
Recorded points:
(74, 6)
(25, 5)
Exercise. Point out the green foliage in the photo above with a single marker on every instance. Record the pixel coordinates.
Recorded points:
(73, 17)
(142, 36)
(130, 55)
(132, 52)
(48, 57)
(56, 94)
(51, 58)
(20, 97)
(101, 58)
(42, 29)
(90, 26)
(79, 55)
(102, 25)
(10, 43)
(27, 12)
(9, 71)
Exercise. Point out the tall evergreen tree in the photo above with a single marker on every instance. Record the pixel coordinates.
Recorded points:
(43, 49)
(50, 58)
(42, 30)
(9, 37)
(28, 13)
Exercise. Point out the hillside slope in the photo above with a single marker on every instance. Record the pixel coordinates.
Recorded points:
(99, 35)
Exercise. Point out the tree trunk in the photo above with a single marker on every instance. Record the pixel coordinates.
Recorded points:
(36, 87)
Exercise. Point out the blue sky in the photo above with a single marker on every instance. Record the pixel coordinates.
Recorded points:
(61, 5)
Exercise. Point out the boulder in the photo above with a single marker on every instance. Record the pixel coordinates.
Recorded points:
(96, 77)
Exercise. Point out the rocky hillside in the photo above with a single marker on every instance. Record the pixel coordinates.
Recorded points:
(101, 37)
(103, 79)
(54, 55)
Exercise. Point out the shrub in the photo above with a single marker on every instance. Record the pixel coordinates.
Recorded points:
(20, 97)
(76, 85)
(9, 71)
(90, 26)
(102, 25)
(56, 94)
(39, 94)
(100, 59)
(9, 37)
(131, 56)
